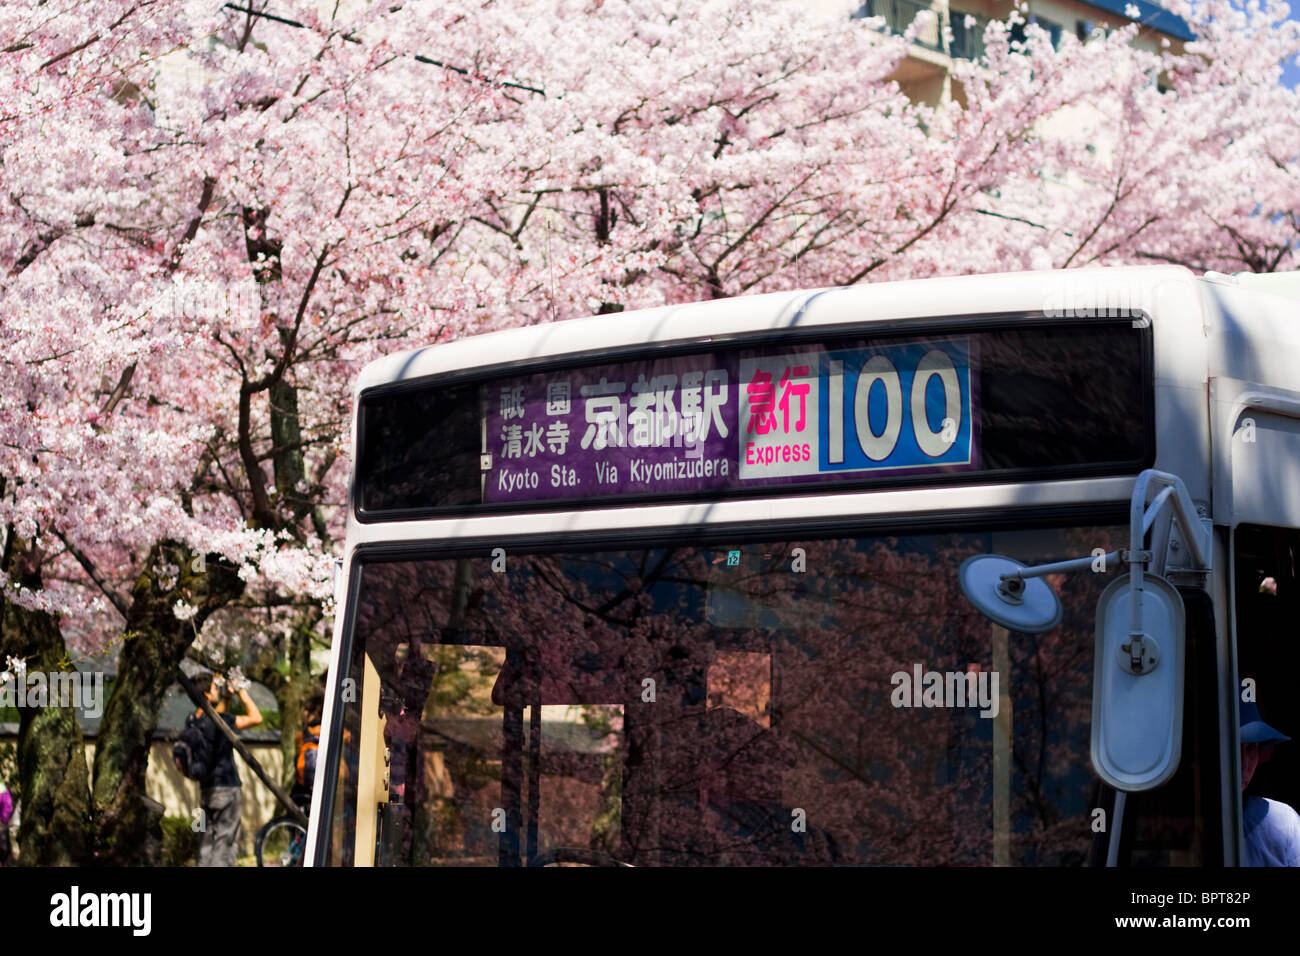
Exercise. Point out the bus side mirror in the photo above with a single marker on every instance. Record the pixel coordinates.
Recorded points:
(1137, 673)
(1137, 685)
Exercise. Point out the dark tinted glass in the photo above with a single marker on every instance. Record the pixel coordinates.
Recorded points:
(813, 702)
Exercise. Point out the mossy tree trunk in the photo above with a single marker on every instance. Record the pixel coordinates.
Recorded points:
(53, 782)
(155, 642)
(286, 667)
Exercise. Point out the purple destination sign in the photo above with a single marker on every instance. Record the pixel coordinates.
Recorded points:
(754, 418)
(647, 427)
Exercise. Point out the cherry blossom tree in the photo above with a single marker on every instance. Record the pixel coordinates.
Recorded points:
(711, 150)
(84, 470)
(1190, 157)
(155, 448)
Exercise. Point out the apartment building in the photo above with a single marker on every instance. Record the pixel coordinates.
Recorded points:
(926, 73)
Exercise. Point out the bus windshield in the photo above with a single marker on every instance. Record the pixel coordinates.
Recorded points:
(808, 701)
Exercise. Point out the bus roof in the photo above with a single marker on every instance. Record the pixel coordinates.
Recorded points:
(1242, 330)
(1226, 355)
(873, 303)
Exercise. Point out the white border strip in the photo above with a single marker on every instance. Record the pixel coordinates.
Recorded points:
(861, 505)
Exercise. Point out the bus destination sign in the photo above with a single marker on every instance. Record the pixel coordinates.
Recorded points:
(749, 419)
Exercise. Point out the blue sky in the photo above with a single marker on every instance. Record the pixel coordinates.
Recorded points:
(1291, 71)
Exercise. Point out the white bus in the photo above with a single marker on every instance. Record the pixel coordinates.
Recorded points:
(713, 583)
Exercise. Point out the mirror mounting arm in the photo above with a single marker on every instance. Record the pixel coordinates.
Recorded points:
(1195, 529)
(1142, 655)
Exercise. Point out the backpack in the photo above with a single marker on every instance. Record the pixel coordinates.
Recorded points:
(191, 753)
(309, 744)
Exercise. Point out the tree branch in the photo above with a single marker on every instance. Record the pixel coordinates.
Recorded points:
(88, 566)
(58, 57)
(174, 263)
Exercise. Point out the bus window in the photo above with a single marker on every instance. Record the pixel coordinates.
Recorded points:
(708, 704)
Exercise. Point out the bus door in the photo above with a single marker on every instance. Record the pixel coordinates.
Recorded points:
(1267, 607)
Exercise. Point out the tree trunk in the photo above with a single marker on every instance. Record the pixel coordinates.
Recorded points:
(156, 641)
(285, 669)
(293, 684)
(298, 684)
(52, 779)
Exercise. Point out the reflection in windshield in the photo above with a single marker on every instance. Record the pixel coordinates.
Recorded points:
(737, 704)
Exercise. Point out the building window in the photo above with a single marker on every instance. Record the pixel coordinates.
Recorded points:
(1053, 31)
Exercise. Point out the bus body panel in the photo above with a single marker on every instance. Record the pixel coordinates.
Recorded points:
(1254, 388)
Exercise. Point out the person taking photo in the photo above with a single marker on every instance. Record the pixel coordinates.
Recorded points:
(220, 786)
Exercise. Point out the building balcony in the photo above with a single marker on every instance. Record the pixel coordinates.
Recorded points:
(967, 35)
(968, 27)
(898, 16)
(967, 39)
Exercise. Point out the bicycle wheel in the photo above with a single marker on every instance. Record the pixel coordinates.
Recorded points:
(281, 842)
